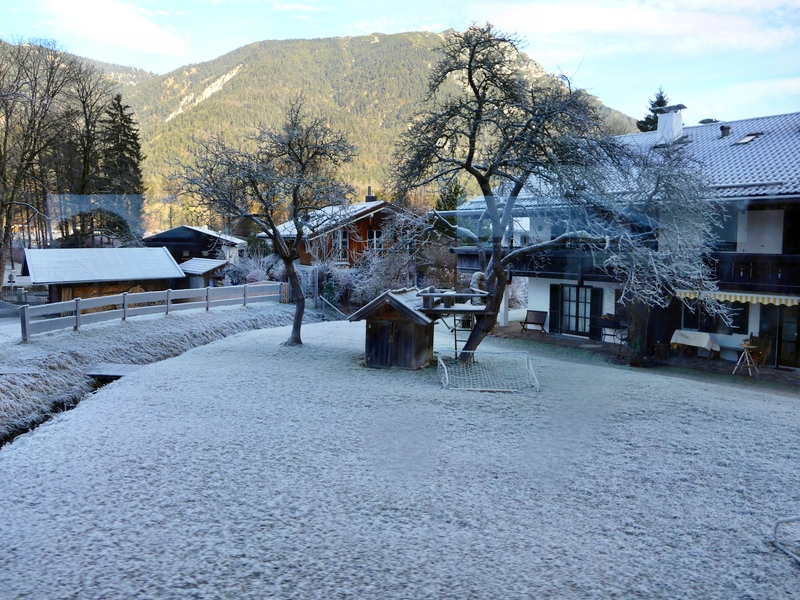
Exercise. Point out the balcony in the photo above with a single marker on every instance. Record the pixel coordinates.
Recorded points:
(765, 273)
(569, 263)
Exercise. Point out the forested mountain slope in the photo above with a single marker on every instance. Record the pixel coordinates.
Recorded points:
(368, 86)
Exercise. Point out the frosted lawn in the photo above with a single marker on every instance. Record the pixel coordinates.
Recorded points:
(241, 469)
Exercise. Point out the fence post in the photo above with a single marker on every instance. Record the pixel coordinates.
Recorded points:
(245, 295)
(77, 314)
(124, 306)
(24, 322)
(315, 284)
(208, 299)
(168, 291)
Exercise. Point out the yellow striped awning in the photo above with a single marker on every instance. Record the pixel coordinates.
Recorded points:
(744, 297)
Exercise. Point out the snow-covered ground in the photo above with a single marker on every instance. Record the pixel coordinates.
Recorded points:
(242, 469)
(47, 373)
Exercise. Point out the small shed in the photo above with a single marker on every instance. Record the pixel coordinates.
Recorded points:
(203, 272)
(398, 333)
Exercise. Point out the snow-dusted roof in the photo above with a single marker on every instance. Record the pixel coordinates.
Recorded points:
(201, 266)
(332, 217)
(767, 165)
(223, 237)
(83, 265)
(406, 301)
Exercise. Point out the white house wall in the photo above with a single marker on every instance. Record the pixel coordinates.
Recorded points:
(540, 229)
(761, 232)
(539, 294)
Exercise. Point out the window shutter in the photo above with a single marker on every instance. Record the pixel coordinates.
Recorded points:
(595, 312)
(555, 308)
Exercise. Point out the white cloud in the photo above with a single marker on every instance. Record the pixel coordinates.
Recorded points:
(114, 23)
(295, 7)
(677, 25)
(748, 99)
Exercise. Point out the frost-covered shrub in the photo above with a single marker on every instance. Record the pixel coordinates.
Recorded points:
(255, 265)
(518, 293)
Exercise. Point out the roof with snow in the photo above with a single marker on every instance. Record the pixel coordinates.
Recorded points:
(83, 265)
(187, 230)
(201, 266)
(406, 301)
(332, 217)
(759, 158)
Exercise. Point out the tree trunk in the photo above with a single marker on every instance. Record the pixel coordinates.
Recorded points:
(300, 303)
(638, 322)
(5, 243)
(487, 321)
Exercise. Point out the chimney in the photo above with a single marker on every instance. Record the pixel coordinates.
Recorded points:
(370, 197)
(670, 123)
(725, 130)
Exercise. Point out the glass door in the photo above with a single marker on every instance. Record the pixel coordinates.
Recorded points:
(789, 354)
(576, 309)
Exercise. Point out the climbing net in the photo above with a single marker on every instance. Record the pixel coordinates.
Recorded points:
(487, 371)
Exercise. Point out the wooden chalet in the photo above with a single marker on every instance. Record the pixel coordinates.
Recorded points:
(341, 234)
(91, 272)
(187, 242)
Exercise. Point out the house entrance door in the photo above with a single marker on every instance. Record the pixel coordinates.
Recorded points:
(789, 354)
(576, 309)
(768, 327)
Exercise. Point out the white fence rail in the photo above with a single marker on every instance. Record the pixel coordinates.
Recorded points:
(62, 315)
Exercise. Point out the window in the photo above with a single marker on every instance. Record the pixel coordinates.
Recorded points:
(375, 239)
(749, 137)
(701, 321)
(341, 246)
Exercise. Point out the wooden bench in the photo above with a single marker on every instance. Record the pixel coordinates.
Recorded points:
(536, 318)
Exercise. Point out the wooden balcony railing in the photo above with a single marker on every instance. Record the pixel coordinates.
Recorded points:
(765, 273)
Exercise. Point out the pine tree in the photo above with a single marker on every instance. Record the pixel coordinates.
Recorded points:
(451, 196)
(121, 152)
(650, 122)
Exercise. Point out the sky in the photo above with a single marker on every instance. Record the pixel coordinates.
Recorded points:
(724, 59)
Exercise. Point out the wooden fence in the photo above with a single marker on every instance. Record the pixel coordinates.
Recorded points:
(62, 315)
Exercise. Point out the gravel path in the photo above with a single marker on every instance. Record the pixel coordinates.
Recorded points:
(245, 470)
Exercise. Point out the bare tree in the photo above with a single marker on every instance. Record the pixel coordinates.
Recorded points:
(510, 123)
(289, 175)
(89, 95)
(407, 240)
(659, 217)
(535, 146)
(33, 80)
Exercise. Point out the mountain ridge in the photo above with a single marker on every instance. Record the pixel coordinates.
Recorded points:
(368, 86)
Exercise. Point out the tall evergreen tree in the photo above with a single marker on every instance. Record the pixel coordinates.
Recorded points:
(650, 122)
(121, 159)
(121, 150)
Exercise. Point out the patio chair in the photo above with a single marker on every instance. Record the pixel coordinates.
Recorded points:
(762, 351)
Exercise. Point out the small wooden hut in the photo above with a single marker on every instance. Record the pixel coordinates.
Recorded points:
(398, 333)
